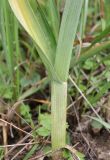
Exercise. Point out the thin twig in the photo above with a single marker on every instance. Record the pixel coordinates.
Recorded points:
(16, 155)
(16, 127)
(19, 145)
(14, 147)
(73, 103)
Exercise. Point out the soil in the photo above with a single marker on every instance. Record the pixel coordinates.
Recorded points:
(94, 147)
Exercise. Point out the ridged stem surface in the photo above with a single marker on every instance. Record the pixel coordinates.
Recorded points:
(58, 110)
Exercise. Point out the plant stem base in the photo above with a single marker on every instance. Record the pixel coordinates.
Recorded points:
(58, 110)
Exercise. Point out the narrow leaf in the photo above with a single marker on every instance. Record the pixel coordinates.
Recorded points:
(35, 26)
(91, 52)
(66, 37)
(105, 124)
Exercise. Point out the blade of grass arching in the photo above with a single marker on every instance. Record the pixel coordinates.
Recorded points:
(99, 37)
(101, 121)
(67, 34)
(102, 35)
(91, 52)
(35, 26)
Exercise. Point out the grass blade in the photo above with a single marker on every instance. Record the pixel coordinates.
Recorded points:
(102, 35)
(6, 18)
(101, 121)
(92, 51)
(49, 8)
(66, 36)
(35, 26)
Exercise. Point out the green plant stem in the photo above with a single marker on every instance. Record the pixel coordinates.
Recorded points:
(16, 27)
(58, 109)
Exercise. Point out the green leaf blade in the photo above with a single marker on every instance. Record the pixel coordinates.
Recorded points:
(36, 27)
(66, 37)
